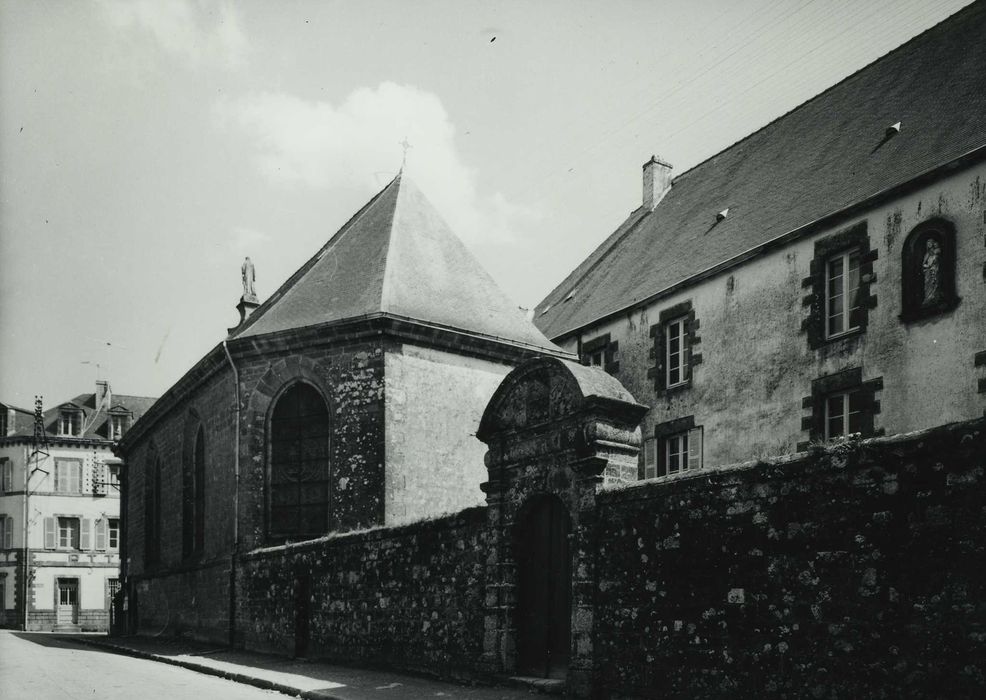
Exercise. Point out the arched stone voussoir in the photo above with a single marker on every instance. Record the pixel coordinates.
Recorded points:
(279, 376)
(547, 390)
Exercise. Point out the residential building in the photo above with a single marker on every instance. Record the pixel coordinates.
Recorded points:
(61, 535)
(822, 277)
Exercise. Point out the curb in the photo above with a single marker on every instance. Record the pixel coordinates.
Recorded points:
(209, 670)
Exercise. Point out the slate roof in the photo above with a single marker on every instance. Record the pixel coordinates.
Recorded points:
(95, 428)
(823, 157)
(396, 256)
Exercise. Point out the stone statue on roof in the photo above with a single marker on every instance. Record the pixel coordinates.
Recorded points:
(249, 277)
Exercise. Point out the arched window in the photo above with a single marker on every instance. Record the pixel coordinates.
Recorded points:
(199, 486)
(152, 510)
(299, 464)
(193, 489)
(928, 270)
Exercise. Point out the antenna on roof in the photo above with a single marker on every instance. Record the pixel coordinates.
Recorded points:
(39, 443)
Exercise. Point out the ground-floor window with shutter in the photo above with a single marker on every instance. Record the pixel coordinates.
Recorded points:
(676, 447)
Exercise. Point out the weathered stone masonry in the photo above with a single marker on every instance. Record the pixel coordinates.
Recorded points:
(410, 597)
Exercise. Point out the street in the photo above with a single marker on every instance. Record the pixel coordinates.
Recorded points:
(39, 666)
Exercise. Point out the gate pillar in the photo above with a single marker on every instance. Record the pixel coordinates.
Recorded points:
(552, 428)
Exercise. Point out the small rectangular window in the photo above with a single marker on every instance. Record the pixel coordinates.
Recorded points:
(676, 352)
(114, 533)
(70, 423)
(842, 292)
(68, 476)
(843, 414)
(6, 475)
(118, 426)
(680, 452)
(69, 533)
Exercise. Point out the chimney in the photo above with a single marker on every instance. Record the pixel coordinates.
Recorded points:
(657, 181)
(104, 397)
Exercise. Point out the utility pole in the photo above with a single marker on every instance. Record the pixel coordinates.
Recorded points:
(39, 449)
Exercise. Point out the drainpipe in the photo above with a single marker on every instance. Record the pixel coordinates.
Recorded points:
(26, 564)
(236, 499)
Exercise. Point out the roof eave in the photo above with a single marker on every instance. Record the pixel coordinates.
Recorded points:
(968, 158)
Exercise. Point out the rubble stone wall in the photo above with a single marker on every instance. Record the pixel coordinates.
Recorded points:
(859, 571)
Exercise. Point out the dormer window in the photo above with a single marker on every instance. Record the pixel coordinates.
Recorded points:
(118, 426)
(70, 423)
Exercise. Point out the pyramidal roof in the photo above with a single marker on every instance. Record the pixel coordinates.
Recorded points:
(396, 256)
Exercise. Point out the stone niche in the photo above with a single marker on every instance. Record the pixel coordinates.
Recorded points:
(557, 433)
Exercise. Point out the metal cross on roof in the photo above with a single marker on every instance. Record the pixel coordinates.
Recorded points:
(406, 146)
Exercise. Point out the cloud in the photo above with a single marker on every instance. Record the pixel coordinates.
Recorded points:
(197, 31)
(357, 142)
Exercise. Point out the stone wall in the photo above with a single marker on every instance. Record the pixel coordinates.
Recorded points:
(859, 571)
(409, 597)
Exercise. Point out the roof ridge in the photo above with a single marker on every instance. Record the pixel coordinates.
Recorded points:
(301, 271)
(830, 88)
(388, 268)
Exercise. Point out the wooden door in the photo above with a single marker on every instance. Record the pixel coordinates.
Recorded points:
(544, 590)
(67, 609)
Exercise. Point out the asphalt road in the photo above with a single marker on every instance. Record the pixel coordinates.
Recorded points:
(38, 666)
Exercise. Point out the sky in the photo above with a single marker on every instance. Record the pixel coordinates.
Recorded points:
(147, 146)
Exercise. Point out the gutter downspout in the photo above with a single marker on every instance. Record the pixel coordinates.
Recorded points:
(236, 499)
(26, 564)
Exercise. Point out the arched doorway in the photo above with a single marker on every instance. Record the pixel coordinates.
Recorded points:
(543, 617)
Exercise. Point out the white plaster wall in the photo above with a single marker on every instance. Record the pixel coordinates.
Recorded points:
(433, 402)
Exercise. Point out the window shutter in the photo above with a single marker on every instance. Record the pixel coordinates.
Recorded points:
(8, 533)
(49, 533)
(695, 448)
(101, 526)
(6, 482)
(84, 537)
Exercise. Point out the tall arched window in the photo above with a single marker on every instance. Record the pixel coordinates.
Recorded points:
(299, 464)
(199, 486)
(152, 510)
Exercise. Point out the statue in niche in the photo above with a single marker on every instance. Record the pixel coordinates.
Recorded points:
(249, 277)
(931, 267)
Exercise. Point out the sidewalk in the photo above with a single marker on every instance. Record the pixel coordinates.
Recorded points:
(307, 679)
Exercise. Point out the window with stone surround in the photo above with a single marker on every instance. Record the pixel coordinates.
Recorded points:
(839, 286)
(68, 476)
(298, 482)
(601, 352)
(840, 405)
(927, 284)
(677, 447)
(674, 350)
